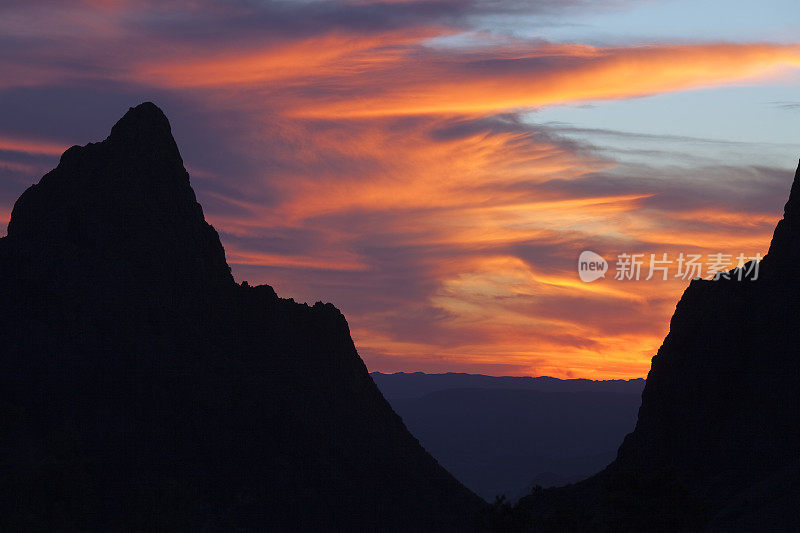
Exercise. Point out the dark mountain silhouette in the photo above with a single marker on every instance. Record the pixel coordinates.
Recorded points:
(418, 384)
(498, 441)
(141, 388)
(717, 442)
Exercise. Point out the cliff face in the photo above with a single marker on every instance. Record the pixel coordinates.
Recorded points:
(722, 400)
(141, 387)
(721, 407)
(717, 442)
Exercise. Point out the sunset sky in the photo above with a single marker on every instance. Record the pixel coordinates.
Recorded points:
(435, 168)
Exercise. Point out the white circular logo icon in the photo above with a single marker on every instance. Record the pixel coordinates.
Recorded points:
(591, 266)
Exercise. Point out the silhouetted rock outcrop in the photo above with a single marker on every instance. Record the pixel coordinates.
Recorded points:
(717, 442)
(142, 388)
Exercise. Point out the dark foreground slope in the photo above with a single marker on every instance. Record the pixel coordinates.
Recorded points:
(142, 388)
(717, 442)
(502, 441)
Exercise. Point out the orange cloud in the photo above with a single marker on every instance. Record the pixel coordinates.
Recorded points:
(31, 146)
(314, 57)
(237, 257)
(489, 84)
(431, 217)
(395, 177)
(398, 73)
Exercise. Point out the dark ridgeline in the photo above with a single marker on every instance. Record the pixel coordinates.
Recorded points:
(141, 387)
(407, 385)
(717, 442)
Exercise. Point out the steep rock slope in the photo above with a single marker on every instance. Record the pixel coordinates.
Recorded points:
(142, 388)
(717, 442)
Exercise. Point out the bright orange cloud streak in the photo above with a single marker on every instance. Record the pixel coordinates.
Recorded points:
(235, 256)
(31, 146)
(396, 74)
(461, 203)
(602, 74)
(328, 55)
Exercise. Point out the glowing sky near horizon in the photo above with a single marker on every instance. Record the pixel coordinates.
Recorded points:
(435, 168)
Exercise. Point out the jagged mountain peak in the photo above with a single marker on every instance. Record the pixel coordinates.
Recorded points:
(716, 442)
(142, 389)
(127, 197)
(145, 122)
(785, 246)
(792, 207)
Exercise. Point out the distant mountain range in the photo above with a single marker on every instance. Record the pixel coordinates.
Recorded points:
(502, 435)
(417, 384)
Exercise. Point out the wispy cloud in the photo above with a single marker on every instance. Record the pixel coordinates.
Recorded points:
(382, 155)
(788, 106)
